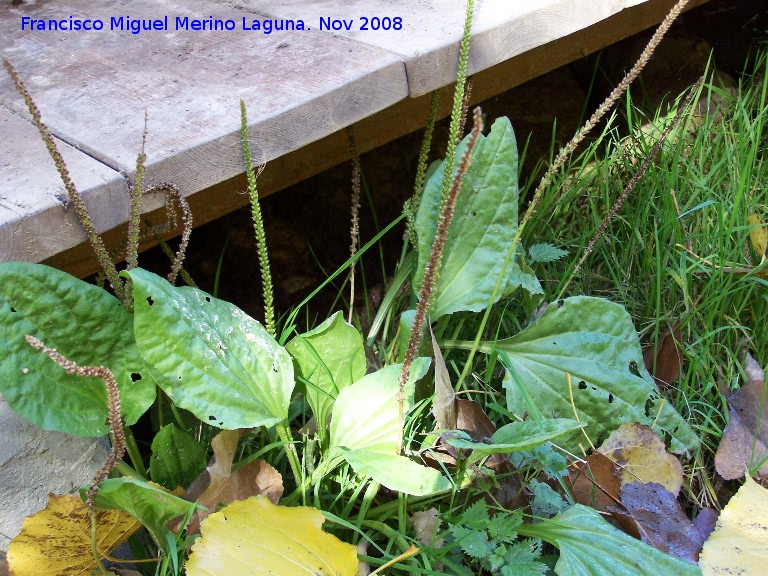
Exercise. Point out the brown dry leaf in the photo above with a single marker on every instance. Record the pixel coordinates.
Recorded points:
(753, 370)
(219, 485)
(653, 515)
(745, 439)
(739, 544)
(665, 361)
(363, 568)
(640, 456)
(444, 403)
(594, 482)
(57, 540)
(706, 521)
(426, 525)
(254, 478)
(758, 235)
(471, 419)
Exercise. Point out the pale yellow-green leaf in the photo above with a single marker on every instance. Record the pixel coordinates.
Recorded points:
(57, 540)
(758, 234)
(739, 544)
(254, 536)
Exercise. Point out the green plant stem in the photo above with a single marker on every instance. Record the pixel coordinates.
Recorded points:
(284, 433)
(134, 453)
(94, 544)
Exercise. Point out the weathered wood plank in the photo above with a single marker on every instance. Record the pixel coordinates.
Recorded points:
(404, 117)
(33, 220)
(93, 89)
(431, 31)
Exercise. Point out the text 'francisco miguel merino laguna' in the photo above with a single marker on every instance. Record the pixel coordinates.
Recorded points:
(137, 25)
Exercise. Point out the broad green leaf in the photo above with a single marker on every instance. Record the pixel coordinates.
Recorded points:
(210, 357)
(518, 436)
(88, 326)
(397, 473)
(366, 415)
(177, 458)
(57, 540)
(254, 536)
(330, 358)
(483, 225)
(589, 546)
(595, 342)
(149, 504)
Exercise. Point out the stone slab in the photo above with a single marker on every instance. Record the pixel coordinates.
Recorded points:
(431, 29)
(94, 87)
(34, 463)
(34, 220)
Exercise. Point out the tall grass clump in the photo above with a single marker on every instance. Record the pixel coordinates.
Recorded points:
(678, 250)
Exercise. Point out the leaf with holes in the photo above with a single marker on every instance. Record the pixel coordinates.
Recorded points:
(88, 326)
(595, 342)
(210, 357)
(484, 223)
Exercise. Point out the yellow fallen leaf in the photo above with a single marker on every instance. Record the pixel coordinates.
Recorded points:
(640, 456)
(269, 539)
(758, 235)
(57, 540)
(739, 544)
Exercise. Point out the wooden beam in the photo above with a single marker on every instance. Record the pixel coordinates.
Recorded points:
(404, 117)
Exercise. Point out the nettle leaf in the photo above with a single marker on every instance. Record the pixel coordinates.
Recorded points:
(483, 225)
(88, 326)
(177, 458)
(546, 253)
(210, 357)
(590, 546)
(595, 342)
(330, 358)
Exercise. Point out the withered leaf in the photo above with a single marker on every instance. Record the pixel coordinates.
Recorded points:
(665, 361)
(57, 540)
(758, 234)
(218, 484)
(472, 419)
(640, 455)
(652, 514)
(745, 439)
(594, 482)
(426, 525)
(444, 403)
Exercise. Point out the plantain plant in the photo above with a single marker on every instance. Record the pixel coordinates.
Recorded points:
(216, 368)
